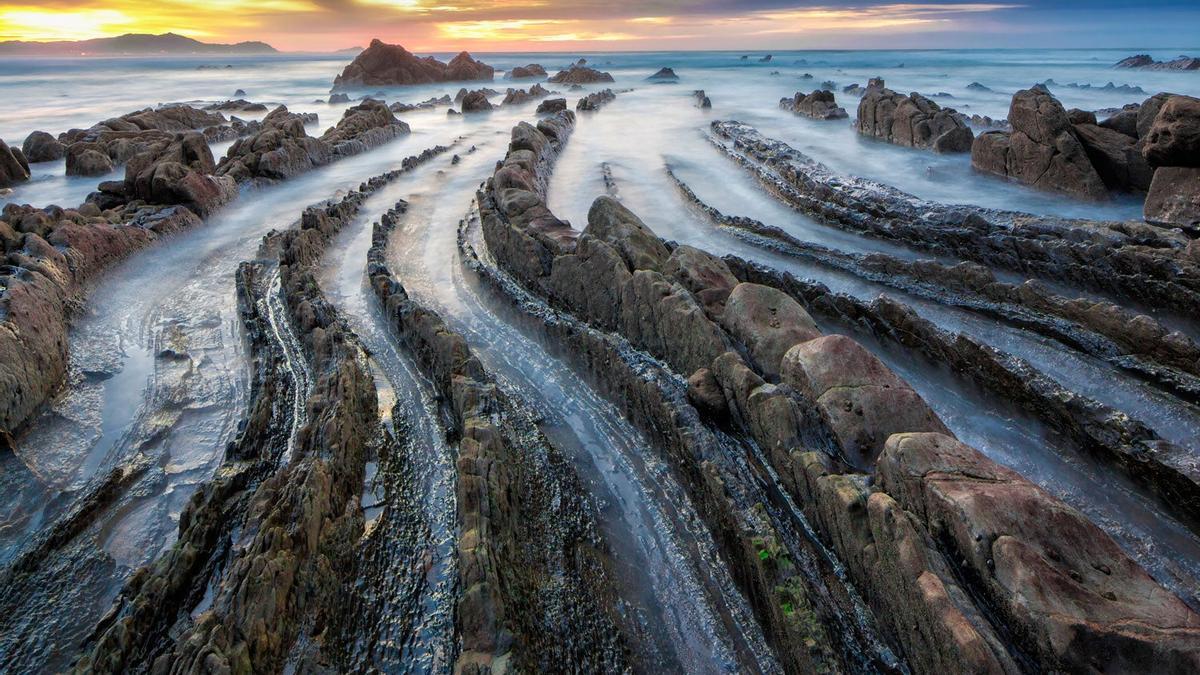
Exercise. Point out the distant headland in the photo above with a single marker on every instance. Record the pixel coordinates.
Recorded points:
(131, 44)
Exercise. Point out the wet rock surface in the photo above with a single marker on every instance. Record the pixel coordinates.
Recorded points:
(382, 64)
(596, 100)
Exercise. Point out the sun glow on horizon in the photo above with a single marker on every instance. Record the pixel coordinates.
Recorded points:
(447, 25)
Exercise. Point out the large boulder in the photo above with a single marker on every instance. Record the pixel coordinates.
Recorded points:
(913, 120)
(383, 64)
(705, 275)
(281, 149)
(363, 127)
(579, 74)
(860, 399)
(1072, 598)
(13, 167)
(769, 322)
(1148, 112)
(1042, 150)
(1174, 137)
(40, 146)
(1174, 197)
(819, 105)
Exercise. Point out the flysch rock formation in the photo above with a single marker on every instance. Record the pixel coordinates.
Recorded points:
(1171, 145)
(1146, 62)
(580, 74)
(944, 543)
(533, 70)
(819, 105)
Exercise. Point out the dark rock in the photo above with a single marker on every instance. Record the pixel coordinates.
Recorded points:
(769, 322)
(179, 172)
(1042, 149)
(40, 146)
(1148, 111)
(766, 59)
(975, 86)
(702, 100)
(596, 100)
(1115, 157)
(383, 64)
(1124, 122)
(1174, 137)
(239, 105)
(664, 75)
(913, 120)
(12, 167)
(1145, 62)
(552, 105)
(1077, 116)
(339, 98)
(578, 74)
(476, 101)
(820, 105)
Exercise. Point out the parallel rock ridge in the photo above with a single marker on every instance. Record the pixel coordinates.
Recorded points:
(520, 507)
(1146, 62)
(969, 566)
(381, 65)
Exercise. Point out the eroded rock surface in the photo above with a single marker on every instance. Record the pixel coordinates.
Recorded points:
(381, 65)
(913, 120)
(820, 105)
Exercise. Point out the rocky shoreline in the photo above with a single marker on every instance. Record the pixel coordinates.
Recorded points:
(727, 336)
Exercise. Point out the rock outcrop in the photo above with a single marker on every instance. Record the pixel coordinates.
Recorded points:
(1172, 144)
(819, 105)
(552, 105)
(518, 96)
(179, 172)
(530, 71)
(596, 100)
(702, 99)
(944, 544)
(382, 65)
(579, 74)
(1146, 62)
(283, 148)
(1043, 149)
(475, 101)
(913, 120)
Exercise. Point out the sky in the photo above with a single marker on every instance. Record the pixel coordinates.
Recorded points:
(620, 25)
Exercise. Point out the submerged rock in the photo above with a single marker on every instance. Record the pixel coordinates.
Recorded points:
(596, 100)
(702, 100)
(552, 105)
(1146, 62)
(475, 101)
(382, 64)
(664, 75)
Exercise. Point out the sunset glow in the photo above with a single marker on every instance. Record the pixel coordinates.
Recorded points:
(447, 25)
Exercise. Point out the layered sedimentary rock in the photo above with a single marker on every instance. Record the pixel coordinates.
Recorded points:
(283, 148)
(820, 105)
(381, 65)
(103, 146)
(1138, 261)
(938, 605)
(580, 74)
(1172, 144)
(552, 105)
(913, 120)
(49, 255)
(1146, 62)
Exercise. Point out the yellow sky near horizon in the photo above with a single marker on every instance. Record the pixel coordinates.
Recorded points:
(445, 25)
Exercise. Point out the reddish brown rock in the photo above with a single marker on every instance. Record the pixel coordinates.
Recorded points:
(1174, 197)
(1174, 137)
(1069, 593)
(913, 120)
(381, 65)
(769, 322)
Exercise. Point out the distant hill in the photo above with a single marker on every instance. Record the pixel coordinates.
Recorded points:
(349, 50)
(132, 44)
